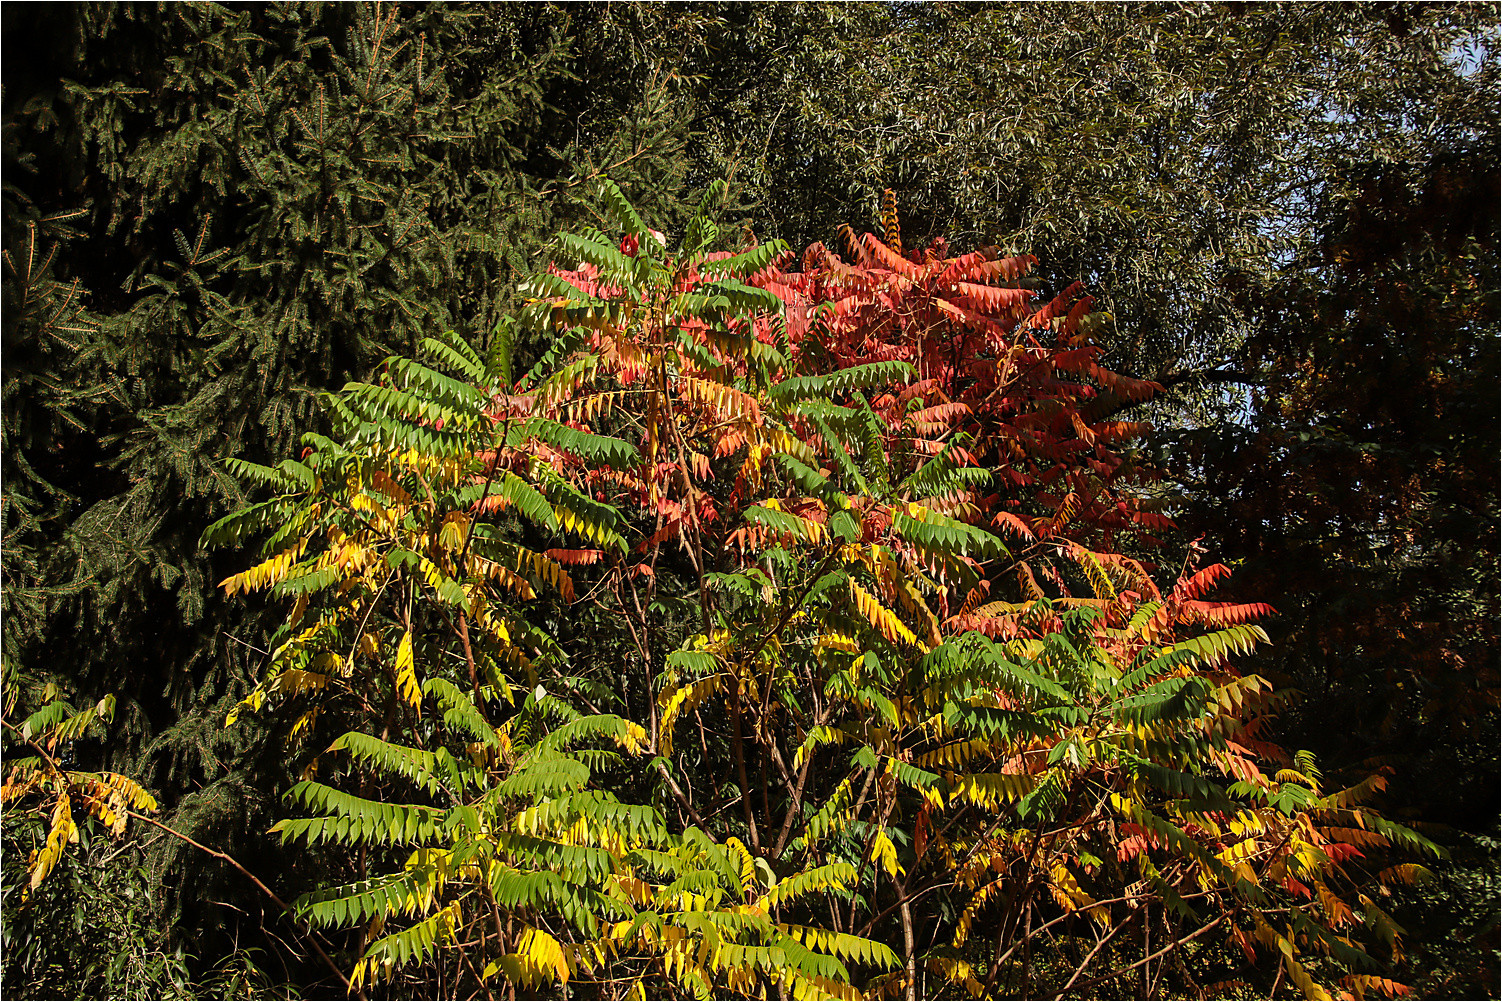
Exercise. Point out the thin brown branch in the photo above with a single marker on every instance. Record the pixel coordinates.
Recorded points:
(1147, 959)
(275, 899)
(226, 857)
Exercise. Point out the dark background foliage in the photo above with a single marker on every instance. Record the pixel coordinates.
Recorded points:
(212, 212)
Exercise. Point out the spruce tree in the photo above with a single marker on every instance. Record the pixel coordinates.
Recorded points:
(211, 214)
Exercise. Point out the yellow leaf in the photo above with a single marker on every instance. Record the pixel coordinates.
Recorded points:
(303, 725)
(724, 401)
(884, 619)
(748, 864)
(265, 574)
(130, 791)
(681, 701)
(836, 642)
(63, 831)
(454, 531)
(295, 681)
(885, 853)
(545, 952)
(406, 673)
(252, 701)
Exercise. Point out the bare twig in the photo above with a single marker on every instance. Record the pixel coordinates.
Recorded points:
(1145, 960)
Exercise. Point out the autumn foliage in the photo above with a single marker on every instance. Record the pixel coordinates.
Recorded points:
(788, 626)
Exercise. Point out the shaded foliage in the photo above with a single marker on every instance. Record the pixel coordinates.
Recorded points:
(1365, 491)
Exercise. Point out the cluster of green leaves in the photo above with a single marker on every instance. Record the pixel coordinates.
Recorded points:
(1082, 765)
(92, 931)
(74, 923)
(485, 791)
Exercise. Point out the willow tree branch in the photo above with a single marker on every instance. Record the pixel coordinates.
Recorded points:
(1215, 375)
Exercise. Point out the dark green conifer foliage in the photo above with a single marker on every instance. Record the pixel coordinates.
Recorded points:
(210, 213)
